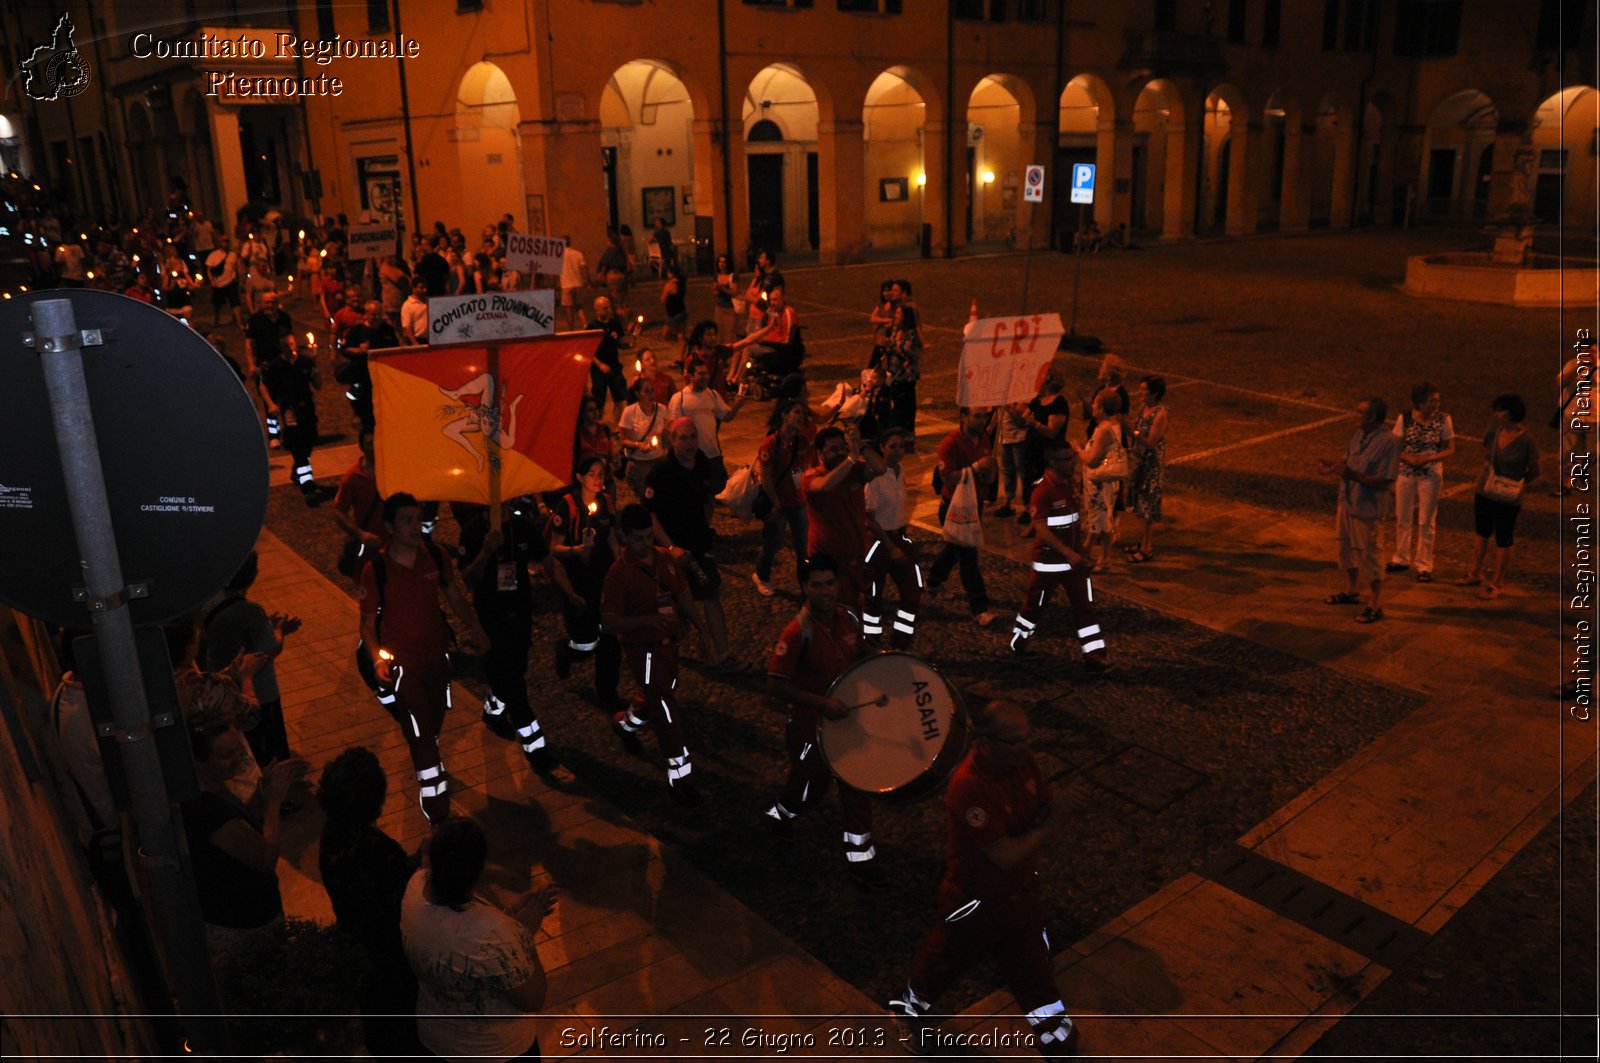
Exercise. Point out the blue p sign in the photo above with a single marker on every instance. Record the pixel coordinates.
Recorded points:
(1083, 182)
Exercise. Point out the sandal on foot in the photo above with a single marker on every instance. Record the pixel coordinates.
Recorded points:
(1468, 581)
(1139, 557)
(1489, 593)
(1369, 615)
(1131, 548)
(1342, 598)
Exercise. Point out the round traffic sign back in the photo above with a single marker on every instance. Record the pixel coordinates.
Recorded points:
(180, 445)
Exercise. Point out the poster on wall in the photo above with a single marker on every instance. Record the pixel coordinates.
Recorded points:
(660, 201)
(894, 189)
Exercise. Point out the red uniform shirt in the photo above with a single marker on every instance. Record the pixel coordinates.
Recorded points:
(981, 810)
(837, 518)
(641, 588)
(783, 463)
(812, 651)
(358, 499)
(1055, 505)
(412, 622)
(956, 453)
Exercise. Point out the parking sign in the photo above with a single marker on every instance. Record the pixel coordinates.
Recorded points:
(1033, 185)
(1083, 182)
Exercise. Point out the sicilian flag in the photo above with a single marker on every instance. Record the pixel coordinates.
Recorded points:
(479, 422)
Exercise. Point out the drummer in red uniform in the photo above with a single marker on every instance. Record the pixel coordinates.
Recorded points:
(813, 650)
(1000, 816)
(1059, 560)
(836, 508)
(645, 603)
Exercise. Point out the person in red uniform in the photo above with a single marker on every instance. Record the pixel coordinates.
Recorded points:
(815, 647)
(1000, 815)
(1059, 560)
(358, 508)
(892, 555)
(967, 447)
(836, 507)
(782, 460)
(645, 604)
(404, 630)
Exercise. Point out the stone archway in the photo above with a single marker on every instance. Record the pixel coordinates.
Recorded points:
(647, 139)
(1157, 164)
(782, 186)
(488, 150)
(1565, 135)
(894, 166)
(999, 142)
(1458, 157)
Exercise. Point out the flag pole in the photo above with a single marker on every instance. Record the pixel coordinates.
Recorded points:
(493, 444)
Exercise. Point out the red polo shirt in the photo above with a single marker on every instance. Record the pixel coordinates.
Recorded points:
(812, 651)
(640, 588)
(981, 810)
(956, 453)
(412, 622)
(837, 519)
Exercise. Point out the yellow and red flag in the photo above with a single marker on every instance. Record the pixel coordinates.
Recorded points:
(447, 416)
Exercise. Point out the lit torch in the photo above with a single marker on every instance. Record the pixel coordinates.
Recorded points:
(594, 507)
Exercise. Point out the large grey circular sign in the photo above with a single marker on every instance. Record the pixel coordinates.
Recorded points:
(180, 444)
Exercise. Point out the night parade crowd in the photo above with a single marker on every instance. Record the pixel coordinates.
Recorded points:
(631, 551)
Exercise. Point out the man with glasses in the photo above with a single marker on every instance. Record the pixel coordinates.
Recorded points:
(1001, 815)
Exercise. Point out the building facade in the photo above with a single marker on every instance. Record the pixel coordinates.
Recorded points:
(839, 127)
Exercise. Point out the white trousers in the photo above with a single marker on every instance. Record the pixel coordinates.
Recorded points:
(1416, 497)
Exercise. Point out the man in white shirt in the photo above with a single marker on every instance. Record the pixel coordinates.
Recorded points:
(222, 270)
(574, 278)
(414, 314)
(892, 555)
(701, 404)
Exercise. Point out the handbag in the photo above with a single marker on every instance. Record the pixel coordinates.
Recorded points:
(1501, 488)
(1114, 466)
(962, 525)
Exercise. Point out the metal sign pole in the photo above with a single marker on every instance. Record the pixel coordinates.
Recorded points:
(1077, 274)
(1027, 260)
(172, 896)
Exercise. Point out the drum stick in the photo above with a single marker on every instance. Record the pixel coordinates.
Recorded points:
(876, 703)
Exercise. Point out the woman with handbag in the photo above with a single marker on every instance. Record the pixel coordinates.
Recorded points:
(1513, 464)
(1105, 466)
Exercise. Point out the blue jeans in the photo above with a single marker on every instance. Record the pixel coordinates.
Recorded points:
(1013, 467)
(772, 540)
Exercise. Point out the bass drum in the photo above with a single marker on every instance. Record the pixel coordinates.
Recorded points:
(906, 734)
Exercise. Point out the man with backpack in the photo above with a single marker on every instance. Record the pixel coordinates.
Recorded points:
(407, 640)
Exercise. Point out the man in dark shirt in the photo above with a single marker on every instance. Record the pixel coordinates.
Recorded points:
(373, 334)
(605, 376)
(679, 496)
(494, 566)
(435, 270)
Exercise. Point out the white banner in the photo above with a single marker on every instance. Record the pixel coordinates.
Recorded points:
(1004, 359)
(491, 316)
(371, 241)
(534, 254)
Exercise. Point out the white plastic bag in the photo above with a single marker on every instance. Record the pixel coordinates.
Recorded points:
(741, 493)
(961, 520)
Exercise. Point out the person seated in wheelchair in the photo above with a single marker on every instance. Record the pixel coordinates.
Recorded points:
(781, 350)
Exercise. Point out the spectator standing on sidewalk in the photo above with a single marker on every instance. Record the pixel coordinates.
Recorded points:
(1512, 465)
(1366, 475)
(1427, 437)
